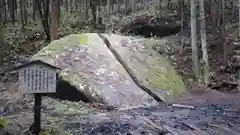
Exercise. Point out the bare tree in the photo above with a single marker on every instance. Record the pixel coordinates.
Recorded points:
(239, 18)
(54, 20)
(204, 43)
(194, 39)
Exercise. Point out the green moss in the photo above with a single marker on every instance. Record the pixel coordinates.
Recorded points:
(51, 119)
(3, 122)
(161, 76)
(58, 46)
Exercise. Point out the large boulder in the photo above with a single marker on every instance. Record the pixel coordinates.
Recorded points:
(89, 65)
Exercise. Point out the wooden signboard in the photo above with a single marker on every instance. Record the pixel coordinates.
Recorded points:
(37, 77)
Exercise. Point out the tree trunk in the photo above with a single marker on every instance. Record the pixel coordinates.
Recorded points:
(33, 9)
(5, 11)
(118, 5)
(54, 25)
(58, 11)
(43, 9)
(11, 10)
(233, 9)
(99, 20)
(222, 18)
(239, 19)
(1, 33)
(181, 17)
(126, 6)
(66, 5)
(213, 14)
(76, 6)
(21, 14)
(109, 9)
(194, 39)
(93, 6)
(156, 2)
(71, 7)
(133, 6)
(25, 11)
(1, 11)
(1, 43)
(204, 43)
(86, 8)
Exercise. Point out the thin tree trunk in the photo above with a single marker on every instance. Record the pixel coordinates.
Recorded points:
(194, 39)
(99, 20)
(1, 32)
(223, 31)
(1, 8)
(58, 11)
(133, 6)
(213, 14)
(21, 14)
(86, 8)
(118, 5)
(76, 6)
(204, 43)
(1, 43)
(233, 9)
(25, 11)
(34, 9)
(54, 25)
(239, 19)
(44, 15)
(109, 9)
(93, 6)
(5, 11)
(71, 7)
(66, 5)
(11, 10)
(126, 6)
(156, 4)
(181, 10)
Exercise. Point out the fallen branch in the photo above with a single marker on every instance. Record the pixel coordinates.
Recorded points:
(183, 106)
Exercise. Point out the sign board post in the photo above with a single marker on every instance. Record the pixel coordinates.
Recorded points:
(37, 77)
(37, 113)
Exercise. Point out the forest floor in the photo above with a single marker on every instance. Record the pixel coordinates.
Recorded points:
(207, 111)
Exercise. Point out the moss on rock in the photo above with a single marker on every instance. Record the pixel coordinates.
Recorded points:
(150, 68)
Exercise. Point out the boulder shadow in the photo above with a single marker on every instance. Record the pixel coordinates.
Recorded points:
(65, 91)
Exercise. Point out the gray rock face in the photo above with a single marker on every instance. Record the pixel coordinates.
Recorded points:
(89, 66)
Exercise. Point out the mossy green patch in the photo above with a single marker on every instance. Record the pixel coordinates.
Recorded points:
(3, 122)
(161, 76)
(58, 46)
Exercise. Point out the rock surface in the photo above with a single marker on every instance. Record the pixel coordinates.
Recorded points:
(89, 65)
(149, 68)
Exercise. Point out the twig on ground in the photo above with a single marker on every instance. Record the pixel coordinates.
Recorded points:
(183, 106)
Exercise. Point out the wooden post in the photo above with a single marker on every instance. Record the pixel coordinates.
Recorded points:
(37, 113)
